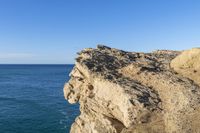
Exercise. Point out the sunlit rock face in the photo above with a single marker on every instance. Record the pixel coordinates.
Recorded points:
(130, 92)
(188, 64)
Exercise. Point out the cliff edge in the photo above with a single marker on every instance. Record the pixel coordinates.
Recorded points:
(131, 92)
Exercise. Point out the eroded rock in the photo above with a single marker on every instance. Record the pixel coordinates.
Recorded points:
(188, 64)
(130, 92)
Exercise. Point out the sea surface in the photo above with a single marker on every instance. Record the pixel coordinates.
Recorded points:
(32, 101)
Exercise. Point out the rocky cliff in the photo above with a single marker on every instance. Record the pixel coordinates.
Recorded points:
(130, 92)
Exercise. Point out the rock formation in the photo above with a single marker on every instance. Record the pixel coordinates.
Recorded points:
(130, 92)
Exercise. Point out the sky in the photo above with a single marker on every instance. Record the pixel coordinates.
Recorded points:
(53, 31)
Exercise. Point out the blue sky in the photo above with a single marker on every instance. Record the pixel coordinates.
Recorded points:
(52, 31)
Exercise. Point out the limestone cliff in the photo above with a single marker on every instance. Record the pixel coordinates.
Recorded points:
(130, 92)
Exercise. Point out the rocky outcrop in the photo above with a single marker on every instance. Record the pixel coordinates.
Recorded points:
(130, 92)
(188, 64)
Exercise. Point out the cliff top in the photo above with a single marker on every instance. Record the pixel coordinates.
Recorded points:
(122, 92)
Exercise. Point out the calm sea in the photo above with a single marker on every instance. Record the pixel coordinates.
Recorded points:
(31, 99)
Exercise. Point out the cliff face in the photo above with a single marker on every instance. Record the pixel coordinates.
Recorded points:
(129, 92)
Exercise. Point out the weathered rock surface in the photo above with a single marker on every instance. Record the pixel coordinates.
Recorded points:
(188, 64)
(130, 92)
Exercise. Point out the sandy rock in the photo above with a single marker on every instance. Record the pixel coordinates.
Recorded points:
(188, 64)
(130, 92)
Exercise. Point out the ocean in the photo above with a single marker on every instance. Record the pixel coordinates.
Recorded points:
(32, 101)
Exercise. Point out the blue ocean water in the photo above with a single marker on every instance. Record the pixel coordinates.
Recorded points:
(32, 101)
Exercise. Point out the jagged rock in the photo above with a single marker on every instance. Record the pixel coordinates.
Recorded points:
(130, 92)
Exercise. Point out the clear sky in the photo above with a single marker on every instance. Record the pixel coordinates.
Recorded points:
(52, 31)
